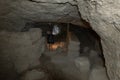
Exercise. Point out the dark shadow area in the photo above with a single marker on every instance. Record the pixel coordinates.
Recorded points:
(89, 41)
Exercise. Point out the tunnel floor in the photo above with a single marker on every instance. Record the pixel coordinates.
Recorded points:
(56, 66)
(59, 67)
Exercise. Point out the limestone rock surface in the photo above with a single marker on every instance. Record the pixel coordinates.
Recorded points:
(104, 17)
(16, 13)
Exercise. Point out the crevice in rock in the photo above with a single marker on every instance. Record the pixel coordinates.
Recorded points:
(116, 26)
(53, 2)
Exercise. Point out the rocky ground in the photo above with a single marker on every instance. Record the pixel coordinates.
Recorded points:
(59, 65)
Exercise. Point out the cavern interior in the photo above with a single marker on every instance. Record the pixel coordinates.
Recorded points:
(59, 40)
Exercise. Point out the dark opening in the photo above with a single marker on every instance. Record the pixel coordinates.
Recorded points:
(71, 45)
(77, 41)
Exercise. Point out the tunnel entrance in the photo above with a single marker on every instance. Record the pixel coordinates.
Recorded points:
(74, 55)
(20, 51)
(78, 55)
(88, 39)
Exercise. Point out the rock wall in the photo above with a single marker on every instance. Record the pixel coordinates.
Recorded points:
(104, 17)
(20, 51)
(16, 13)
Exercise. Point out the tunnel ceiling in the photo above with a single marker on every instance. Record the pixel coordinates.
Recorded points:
(15, 13)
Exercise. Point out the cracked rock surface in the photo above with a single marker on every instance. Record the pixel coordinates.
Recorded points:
(16, 13)
(104, 17)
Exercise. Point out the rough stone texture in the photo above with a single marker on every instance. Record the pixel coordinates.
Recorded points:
(98, 73)
(20, 50)
(104, 17)
(83, 65)
(16, 13)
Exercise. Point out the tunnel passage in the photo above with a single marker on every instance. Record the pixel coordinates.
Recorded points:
(86, 36)
(25, 48)
(14, 14)
(83, 60)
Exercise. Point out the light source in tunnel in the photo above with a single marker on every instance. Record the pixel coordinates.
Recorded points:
(58, 36)
(57, 45)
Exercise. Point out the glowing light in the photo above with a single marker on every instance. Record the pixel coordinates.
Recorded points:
(57, 45)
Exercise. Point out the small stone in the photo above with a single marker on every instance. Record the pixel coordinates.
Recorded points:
(98, 73)
(33, 75)
(83, 65)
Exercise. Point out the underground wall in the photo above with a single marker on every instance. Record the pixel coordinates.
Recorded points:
(24, 55)
(102, 15)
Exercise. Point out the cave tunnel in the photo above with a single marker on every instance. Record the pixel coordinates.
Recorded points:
(75, 48)
(81, 49)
